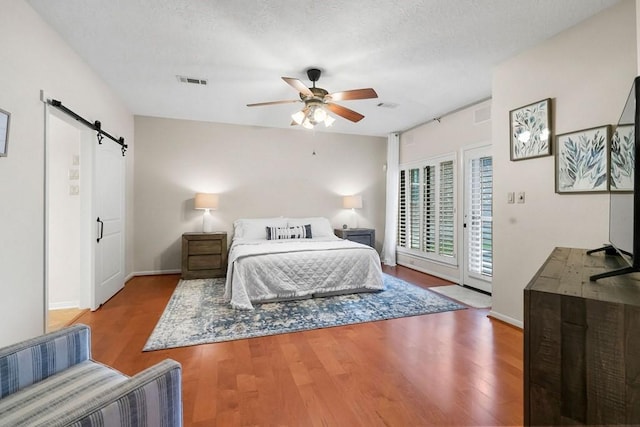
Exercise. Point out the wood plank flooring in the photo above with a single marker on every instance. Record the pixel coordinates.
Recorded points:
(457, 368)
(58, 319)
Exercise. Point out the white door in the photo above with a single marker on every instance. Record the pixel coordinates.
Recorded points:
(478, 218)
(108, 202)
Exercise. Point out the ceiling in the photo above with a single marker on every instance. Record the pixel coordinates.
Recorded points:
(423, 58)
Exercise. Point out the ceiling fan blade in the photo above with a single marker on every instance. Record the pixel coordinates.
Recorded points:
(344, 112)
(353, 94)
(291, 101)
(298, 85)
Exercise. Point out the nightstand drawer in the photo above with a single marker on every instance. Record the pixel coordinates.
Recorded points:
(366, 236)
(198, 247)
(365, 239)
(204, 262)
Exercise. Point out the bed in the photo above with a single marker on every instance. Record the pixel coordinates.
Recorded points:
(276, 259)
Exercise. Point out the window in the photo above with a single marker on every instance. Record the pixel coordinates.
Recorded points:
(426, 209)
(481, 217)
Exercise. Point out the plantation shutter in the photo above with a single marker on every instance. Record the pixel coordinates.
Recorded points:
(481, 217)
(429, 209)
(446, 210)
(402, 211)
(426, 209)
(414, 209)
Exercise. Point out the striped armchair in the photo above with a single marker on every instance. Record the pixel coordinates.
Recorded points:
(52, 381)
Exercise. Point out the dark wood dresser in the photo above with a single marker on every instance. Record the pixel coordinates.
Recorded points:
(204, 255)
(366, 236)
(581, 343)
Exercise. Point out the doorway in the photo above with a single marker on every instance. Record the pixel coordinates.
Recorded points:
(64, 210)
(478, 218)
(84, 226)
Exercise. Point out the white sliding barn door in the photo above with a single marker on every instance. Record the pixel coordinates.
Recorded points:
(108, 203)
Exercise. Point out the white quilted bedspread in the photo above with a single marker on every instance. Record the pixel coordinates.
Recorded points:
(279, 269)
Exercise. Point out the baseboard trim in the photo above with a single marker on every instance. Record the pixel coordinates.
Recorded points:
(506, 319)
(155, 272)
(63, 304)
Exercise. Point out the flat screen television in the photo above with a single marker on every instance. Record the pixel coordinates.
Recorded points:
(624, 202)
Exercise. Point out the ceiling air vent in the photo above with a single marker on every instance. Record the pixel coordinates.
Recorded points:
(191, 80)
(482, 115)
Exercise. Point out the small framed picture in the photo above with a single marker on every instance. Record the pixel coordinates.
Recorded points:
(4, 132)
(530, 129)
(582, 161)
(623, 158)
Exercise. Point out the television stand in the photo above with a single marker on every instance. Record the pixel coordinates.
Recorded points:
(610, 250)
(581, 361)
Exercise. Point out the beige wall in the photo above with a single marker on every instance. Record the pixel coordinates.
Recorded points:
(34, 57)
(452, 134)
(257, 172)
(587, 71)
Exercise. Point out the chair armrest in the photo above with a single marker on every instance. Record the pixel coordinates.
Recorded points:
(152, 397)
(33, 360)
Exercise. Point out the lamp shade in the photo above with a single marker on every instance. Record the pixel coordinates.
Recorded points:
(352, 202)
(206, 201)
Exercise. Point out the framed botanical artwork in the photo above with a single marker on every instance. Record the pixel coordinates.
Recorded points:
(530, 129)
(623, 158)
(582, 161)
(4, 132)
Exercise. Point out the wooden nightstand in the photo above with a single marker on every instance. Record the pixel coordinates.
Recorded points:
(366, 236)
(204, 255)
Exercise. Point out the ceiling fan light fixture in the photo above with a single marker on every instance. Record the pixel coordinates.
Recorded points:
(319, 115)
(298, 117)
(328, 121)
(307, 124)
(318, 102)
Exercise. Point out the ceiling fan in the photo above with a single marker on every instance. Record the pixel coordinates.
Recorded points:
(317, 101)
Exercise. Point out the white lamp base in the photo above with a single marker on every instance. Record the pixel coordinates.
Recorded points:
(207, 222)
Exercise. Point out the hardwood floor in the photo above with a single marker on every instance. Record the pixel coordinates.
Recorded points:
(58, 319)
(457, 368)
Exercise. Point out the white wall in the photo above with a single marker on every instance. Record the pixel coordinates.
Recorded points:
(64, 217)
(34, 57)
(454, 132)
(257, 172)
(587, 71)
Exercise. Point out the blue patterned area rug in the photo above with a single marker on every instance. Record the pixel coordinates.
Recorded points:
(197, 313)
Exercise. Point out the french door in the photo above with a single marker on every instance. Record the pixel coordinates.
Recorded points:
(478, 218)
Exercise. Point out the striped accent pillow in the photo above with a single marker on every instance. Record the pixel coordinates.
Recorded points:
(297, 232)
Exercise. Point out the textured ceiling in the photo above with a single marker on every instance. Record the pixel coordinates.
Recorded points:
(429, 57)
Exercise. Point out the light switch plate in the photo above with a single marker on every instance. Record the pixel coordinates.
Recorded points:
(521, 197)
(511, 197)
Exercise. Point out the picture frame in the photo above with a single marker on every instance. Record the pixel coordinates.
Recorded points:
(582, 161)
(622, 158)
(531, 131)
(5, 120)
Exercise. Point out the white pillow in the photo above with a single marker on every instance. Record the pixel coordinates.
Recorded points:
(320, 226)
(256, 228)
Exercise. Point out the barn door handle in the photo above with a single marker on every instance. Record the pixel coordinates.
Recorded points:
(101, 230)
